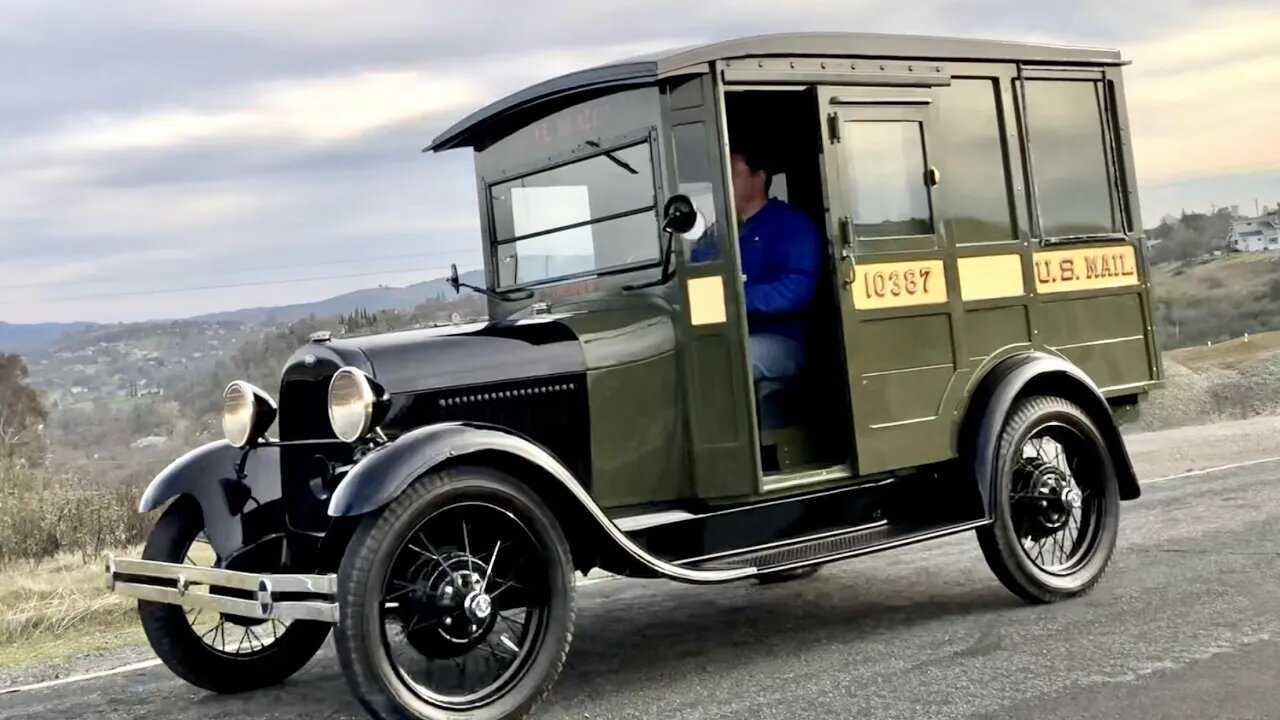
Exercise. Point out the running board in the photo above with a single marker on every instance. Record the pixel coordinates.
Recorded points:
(828, 547)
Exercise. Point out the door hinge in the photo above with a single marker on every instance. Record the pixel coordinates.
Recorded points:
(846, 231)
(833, 126)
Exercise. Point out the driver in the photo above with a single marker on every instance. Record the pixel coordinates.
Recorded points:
(781, 256)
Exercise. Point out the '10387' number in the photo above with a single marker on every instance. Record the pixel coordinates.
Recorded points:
(895, 283)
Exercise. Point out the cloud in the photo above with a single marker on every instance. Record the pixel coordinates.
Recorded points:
(1204, 100)
(146, 143)
(325, 110)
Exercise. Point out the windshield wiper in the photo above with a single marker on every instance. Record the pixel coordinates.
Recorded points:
(616, 160)
(505, 296)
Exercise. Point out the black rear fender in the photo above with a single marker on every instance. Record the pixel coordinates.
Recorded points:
(238, 492)
(1024, 375)
(381, 476)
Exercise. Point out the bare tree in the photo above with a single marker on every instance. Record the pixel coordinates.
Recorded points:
(22, 414)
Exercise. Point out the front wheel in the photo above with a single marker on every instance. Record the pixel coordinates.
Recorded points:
(457, 600)
(218, 652)
(1057, 504)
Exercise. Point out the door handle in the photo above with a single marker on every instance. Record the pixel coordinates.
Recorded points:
(934, 176)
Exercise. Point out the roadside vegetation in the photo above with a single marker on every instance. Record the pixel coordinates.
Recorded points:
(58, 608)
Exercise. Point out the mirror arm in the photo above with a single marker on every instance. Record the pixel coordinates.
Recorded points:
(509, 296)
(666, 275)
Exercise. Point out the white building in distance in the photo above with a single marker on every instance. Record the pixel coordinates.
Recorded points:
(1255, 234)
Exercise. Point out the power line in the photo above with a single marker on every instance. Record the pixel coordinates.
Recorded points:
(255, 268)
(227, 286)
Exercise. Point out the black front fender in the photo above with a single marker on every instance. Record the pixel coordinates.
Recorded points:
(1037, 373)
(238, 491)
(380, 477)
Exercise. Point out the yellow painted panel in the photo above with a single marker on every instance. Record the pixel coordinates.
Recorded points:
(1086, 268)
(706, 300)
(990, 276)
(899, 284)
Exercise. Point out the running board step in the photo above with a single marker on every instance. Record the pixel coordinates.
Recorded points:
(856, 541)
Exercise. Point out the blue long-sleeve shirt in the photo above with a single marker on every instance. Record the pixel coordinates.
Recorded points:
(781, 253)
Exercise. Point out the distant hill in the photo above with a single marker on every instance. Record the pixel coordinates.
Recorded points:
(371, 299)
(41, 336)
(23, 338)
(1213, 299)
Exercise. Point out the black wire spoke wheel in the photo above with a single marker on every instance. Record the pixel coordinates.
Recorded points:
(1056, 505)
(465, 605)
(456, 600)
(212, 650)
(1055, 502)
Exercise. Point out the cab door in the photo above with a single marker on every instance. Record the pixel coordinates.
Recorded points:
(899, 298)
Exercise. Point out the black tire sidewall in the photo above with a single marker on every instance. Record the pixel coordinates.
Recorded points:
(175, 642)
(359, 636)
(1002, 546)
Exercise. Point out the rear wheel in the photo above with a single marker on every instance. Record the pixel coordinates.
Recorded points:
(214, 651)
(1057, 506)
(456, 600)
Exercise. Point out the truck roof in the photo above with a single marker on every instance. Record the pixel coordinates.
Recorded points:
(647, 69)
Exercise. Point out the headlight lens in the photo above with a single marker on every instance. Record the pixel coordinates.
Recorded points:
(247, 412)
(351, 401)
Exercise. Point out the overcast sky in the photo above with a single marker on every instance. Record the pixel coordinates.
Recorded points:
(153, 146)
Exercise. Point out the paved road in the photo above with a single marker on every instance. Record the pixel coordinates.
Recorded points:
(1185, 625)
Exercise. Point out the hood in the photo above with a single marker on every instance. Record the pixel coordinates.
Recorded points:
(472, 354)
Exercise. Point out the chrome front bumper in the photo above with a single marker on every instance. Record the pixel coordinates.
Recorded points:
(311, 597)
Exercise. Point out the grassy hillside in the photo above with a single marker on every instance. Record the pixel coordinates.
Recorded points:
(1214, 299)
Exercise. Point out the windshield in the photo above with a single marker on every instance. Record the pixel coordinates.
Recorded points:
(575, 219)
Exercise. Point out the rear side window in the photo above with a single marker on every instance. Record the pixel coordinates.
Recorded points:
(972, 160)
(1069, 158)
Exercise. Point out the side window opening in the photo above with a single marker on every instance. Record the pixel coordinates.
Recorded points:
(887, 190)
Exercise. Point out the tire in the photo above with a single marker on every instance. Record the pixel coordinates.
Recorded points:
(370, 567)
(1024, 508)
(185, 653)
(782, 576)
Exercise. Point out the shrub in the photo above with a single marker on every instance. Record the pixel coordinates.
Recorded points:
(47, 512)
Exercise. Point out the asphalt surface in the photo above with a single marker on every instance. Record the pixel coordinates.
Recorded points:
(1186, 624)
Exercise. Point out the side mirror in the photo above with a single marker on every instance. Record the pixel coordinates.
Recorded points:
(681, 216)
(453, 280)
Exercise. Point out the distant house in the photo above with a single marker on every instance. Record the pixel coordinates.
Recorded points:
(1255, 234)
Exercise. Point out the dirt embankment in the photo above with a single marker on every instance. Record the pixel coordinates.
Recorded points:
(1235, 380)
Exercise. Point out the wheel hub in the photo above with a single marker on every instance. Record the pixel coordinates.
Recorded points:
(1072, 498)
(478, 606)
(1048, 498)
(451, 614)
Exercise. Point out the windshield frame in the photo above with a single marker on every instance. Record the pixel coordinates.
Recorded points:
(585, 151)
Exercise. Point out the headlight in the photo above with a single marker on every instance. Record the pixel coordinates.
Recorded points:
(351, 404)
(247, 412)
